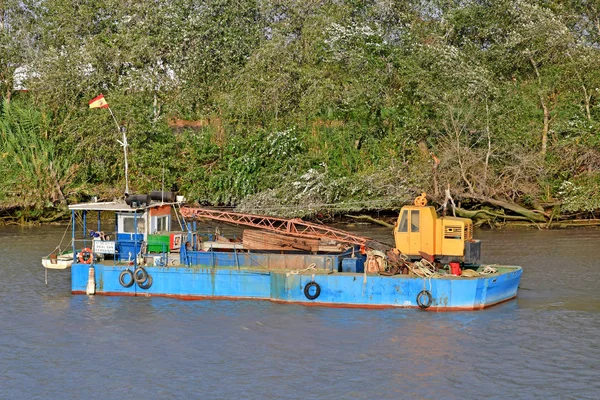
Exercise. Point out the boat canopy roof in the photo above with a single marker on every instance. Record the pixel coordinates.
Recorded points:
(114, 206)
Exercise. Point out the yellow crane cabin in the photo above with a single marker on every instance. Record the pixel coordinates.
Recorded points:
(448, 239)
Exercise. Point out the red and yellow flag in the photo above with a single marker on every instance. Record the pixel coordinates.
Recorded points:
(98, 102)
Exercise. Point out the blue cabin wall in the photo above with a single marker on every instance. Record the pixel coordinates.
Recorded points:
(129, 245)
(266, 260)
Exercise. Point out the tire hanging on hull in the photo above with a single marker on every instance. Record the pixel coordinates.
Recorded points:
(126, 283)
(140, 275)
(307, 290)
(146, 285)
(429, 299)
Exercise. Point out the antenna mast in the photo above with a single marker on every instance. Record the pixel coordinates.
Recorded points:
(123, 143)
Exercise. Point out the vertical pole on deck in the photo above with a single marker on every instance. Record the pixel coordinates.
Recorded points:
(237, 262)
(84, 226)
(135, 239)
(116, 238)
(189, 233)
(194, 238)
(73, 233)
(99, 222)
(100, 102)
(122, 129)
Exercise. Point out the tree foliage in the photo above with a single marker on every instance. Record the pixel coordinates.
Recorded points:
(303, 105)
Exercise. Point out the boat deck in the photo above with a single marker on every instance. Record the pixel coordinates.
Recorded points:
(174, 263)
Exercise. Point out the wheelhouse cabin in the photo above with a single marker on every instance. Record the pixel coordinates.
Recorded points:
(122, 232)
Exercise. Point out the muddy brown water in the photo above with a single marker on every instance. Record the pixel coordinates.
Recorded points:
(542, 345)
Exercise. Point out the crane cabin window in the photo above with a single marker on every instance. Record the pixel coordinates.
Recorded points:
(414, 220)
(403, 225)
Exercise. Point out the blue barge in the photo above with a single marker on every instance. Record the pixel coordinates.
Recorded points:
(338, 289)
(136, 253)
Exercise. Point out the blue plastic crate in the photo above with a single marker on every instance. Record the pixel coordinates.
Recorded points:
(356, 265)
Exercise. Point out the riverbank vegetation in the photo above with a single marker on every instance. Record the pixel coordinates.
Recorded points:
(298, 108)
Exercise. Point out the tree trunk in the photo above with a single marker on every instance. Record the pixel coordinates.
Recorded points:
(586, 97)
(531, 215)
(489, 147)
(492, 218)
(546, 125)
(587, 103)
(544, 107)
(54, 217)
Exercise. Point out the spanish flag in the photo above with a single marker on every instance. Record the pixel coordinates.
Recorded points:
(98, 102)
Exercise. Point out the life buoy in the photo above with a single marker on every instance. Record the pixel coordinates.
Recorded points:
(429, 300)
(85, 256)
(308, 291)
(140, 275)
(147, 284)
(129, 282)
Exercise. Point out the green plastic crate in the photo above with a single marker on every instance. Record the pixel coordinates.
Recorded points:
(158, 243)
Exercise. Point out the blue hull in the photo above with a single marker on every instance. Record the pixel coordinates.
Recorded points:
(227, 277)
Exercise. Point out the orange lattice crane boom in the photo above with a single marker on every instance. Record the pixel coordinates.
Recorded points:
(294, 227)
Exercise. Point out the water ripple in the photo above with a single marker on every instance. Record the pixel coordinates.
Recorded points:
(544, 345)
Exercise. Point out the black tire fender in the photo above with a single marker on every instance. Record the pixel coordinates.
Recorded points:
(146, 285)
(307, 290)
(126, 283)
(140, 275)
(428, 301)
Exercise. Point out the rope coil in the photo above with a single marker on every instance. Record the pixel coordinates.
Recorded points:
(489, 270)
(424, 268)
(299, 271)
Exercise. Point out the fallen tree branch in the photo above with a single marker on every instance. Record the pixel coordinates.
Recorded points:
(370, 219)
(487, 214)
(54, 217)
(531, 215)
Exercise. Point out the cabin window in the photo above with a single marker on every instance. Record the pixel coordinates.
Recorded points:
(403, 226)
(162, 223)
(128, 225)
(414, 220)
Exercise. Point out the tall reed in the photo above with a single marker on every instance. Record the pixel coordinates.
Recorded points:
(33, 174)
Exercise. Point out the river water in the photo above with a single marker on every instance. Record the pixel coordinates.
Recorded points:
(543, 345)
